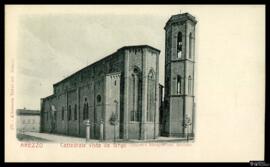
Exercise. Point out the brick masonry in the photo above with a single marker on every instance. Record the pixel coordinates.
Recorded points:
(108, 89)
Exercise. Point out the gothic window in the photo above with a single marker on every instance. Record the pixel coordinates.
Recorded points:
(75, 112)
(47, 116)
(116, 108)
(189, 84)
(55, 115)
(133, 78)
(136, 95)
(63, 113)
(190, 45)
(179, 84)
(179, 45)
(98, 98)
(85, 110)
(69, 112)
(151, 90)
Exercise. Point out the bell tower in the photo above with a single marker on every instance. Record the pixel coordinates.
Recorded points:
(179, 76)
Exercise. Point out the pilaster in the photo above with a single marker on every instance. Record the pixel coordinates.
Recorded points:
(156, 121)
(144, 96)
(78, 110)
(126, 94)
(66, 113)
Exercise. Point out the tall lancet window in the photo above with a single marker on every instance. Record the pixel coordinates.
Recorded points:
(85, 110)
(189, 84)
(190, 45)
(179, 84)
(63, 113)
(75, 112)
(151, 93)
(179, 45)
(116, 109)
(136, 95)
(69, 112)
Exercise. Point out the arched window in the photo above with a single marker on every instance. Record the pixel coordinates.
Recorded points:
(179, 45)
(98, 98)
(85, 109)
(190, 45)
(179, 84)
(189, 84)
(63, 113)
(136, 95)
(69, 112)
(75, 112)
(55, 115)
(151, 92)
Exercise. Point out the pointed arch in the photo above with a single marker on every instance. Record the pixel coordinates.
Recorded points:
(136, 94)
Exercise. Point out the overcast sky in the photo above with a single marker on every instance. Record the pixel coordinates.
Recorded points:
(56, 42)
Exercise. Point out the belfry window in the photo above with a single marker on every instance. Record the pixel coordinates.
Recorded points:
(179, 84)
(189, 84)
(179, 45)
(190, 45)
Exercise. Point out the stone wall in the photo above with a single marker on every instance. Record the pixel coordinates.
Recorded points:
(93, 87)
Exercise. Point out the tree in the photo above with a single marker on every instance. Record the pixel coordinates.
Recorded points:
(187, 124)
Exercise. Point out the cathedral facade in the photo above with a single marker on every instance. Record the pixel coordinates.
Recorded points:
(118, 95)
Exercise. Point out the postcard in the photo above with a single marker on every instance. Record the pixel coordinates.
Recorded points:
(134, 83)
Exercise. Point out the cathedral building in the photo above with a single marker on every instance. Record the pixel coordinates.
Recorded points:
(179, 104)
(119, 94)
(121, 97)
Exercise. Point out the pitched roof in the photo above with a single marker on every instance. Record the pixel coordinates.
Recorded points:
(122, 48)
(180, 17)
(139, 46)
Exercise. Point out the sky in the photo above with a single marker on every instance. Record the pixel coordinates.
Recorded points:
(53, 43)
